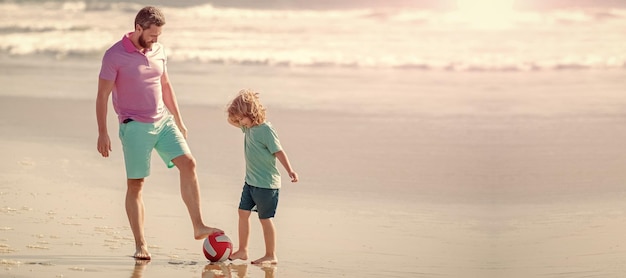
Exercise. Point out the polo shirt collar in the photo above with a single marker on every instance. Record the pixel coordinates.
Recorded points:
(128, 44)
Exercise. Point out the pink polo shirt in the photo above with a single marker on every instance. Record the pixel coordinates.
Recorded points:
(137, 92)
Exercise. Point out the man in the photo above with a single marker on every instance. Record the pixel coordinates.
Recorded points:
(134, 69)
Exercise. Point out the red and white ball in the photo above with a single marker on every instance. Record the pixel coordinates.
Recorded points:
(217, 247)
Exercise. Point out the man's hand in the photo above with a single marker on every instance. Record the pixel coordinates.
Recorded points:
(183, 129)
(104, 145)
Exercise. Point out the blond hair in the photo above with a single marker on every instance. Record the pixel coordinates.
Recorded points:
(247, 104)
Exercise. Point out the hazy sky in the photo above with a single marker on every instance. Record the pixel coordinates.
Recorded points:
(430, 4)
(359, 4)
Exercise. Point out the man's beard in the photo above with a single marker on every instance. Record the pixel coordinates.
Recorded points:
(143, 42)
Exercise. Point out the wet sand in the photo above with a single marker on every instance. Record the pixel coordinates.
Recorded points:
(451, 197)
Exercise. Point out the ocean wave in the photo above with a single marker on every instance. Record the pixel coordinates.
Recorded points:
(25, 29)
(307, 62)
(20, 29)
(70, 6)
(403, 39)
(397, 14)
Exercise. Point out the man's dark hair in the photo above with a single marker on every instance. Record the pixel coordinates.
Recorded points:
(149, 15)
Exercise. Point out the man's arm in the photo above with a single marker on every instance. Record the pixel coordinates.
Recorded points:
(282, 157)
(169, 98)
(102, 100)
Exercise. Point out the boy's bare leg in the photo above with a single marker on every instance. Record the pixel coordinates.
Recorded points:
(190, 192)
(135, 213)
(244, 235)
(269, 234)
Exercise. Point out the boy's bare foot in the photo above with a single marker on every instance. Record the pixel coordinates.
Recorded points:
(239, 255)
(142, 253)
(266, 260)
(204, 231)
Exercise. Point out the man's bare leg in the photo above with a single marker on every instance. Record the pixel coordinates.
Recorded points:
(190, 192)
(269, 234)
(244, 235)
(135, 212)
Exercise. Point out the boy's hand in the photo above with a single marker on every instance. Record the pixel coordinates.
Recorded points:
(293, 176)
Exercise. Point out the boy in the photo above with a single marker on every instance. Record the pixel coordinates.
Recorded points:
(262, 181)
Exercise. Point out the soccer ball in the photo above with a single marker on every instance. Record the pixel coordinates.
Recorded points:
(217, 247)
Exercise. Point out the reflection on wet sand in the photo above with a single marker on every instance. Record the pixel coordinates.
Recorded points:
(222, 270)
(240, 270)
(269, 269)
(217, 270)
(140, 266)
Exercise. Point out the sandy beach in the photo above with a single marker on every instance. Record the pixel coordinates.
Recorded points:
(560, 207)
(544, 199)
(62, 204)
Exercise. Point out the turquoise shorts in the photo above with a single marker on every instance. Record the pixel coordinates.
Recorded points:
(139, 139)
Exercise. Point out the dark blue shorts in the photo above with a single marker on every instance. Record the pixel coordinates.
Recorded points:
(262, 200)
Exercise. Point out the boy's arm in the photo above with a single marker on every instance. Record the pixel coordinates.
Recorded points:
(282, 157)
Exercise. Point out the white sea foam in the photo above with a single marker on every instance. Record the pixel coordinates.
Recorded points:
(357, 38)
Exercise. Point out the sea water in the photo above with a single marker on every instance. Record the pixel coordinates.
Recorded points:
(403, 57)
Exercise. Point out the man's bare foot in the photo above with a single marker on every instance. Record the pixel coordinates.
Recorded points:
(266, 260)
(204, 231)
(239, 255)
(142, 253)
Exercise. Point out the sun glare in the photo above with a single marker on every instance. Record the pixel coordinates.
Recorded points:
(486, 13)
